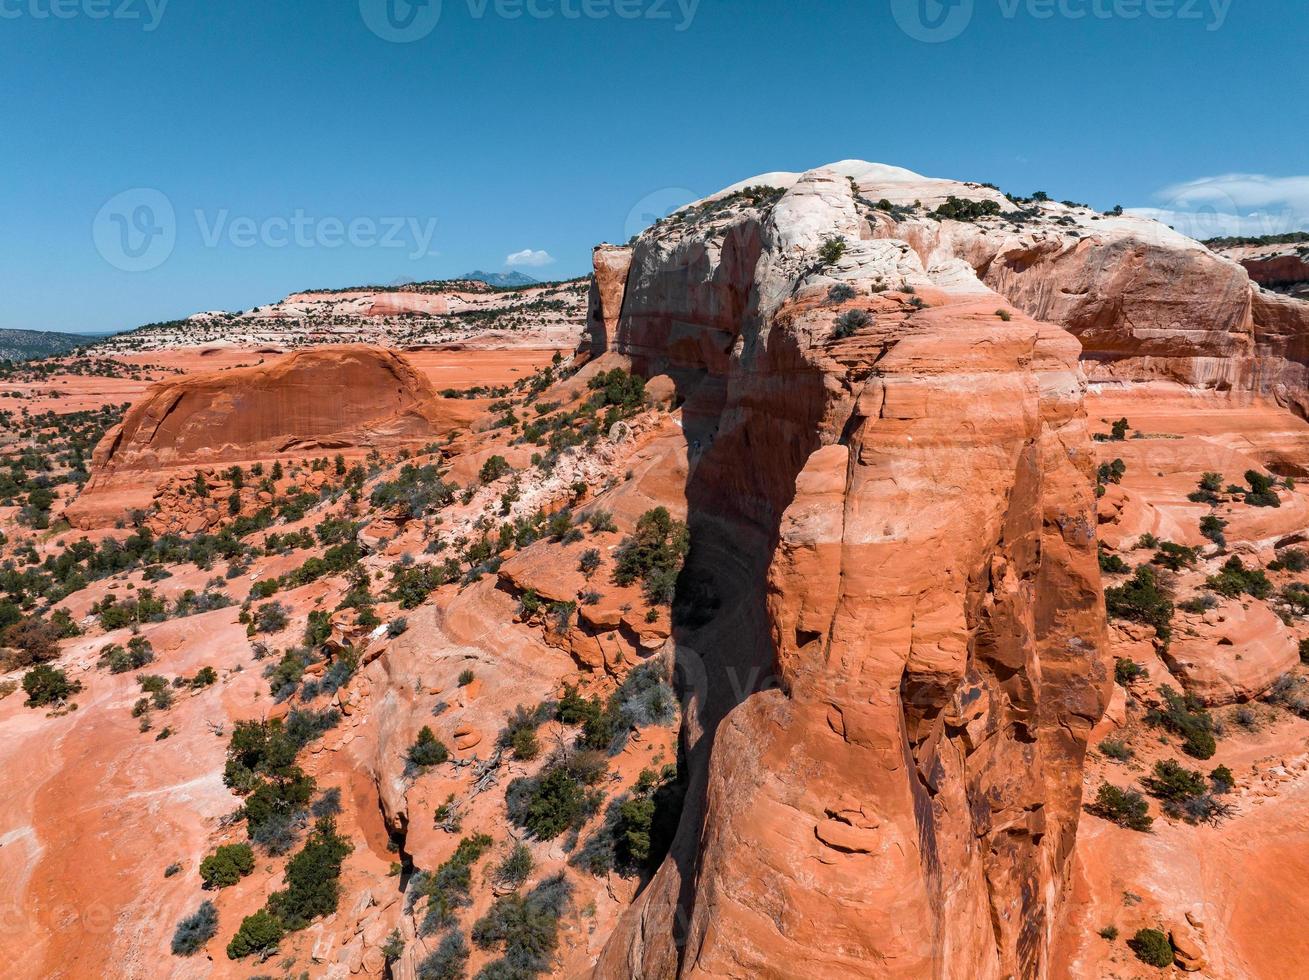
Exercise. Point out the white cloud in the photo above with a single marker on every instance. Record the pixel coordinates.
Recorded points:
(531, 259)
(1233, 204)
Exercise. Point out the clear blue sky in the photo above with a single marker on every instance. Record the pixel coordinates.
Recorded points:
(543, 134)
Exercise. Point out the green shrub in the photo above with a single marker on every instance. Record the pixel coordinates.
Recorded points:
(1142, 599)
(832, 250)
(558, 801)
(1112, 564)
(1291, 560)
(447, 888)
(44, 685)
(1109, 932)
(427, 750)
(514, 870)
(646, 820)
(1211, 484)
(558, 798)
(1235, 580)
(227, 865)
(1152, 947)
(448, 961)
(654, 555)
(417, 490)
(519, 734)
(1185, 794)
(1127, 808)
(271, 617)
(1261, 492)
(1111, 472)
(493, 469)
(1186, 716)
(118, 660)
(1175, 557)
(850, 322)
(1126, 671)
(312, 888)
(1116, 750)
(524, 929)
(195, 930)
(318, 630)
(959, 209)
(1172, 781)
(1212, 527)
(261, 765)
(259, 933)
(1222, 779)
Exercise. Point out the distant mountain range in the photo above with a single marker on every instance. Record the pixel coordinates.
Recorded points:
(503, 279)
(23, 345)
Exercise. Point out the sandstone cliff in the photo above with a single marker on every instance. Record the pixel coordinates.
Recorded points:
(890, 505)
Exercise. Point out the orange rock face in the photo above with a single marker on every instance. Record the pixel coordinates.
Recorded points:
(899, 528)
(612, 263)
(348, 398)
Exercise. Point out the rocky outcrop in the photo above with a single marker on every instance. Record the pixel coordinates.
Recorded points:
(1280, 266)
(890, 625)
(611, 263)
(348, 398)
(1233, 653)
(1145, 301)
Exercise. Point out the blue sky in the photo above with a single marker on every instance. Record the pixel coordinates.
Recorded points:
(319, 153)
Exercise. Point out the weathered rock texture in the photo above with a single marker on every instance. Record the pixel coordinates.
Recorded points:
(1144, 300)
(316, 401)
(1284, 267)
(891, 618)
(612, 263)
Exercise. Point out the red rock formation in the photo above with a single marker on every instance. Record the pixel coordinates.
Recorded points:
(1282, 266)
(612, 263)
(886, 768)
(347, 398)
(1145, 301)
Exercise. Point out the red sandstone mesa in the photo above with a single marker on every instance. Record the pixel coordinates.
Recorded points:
(340, 399)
